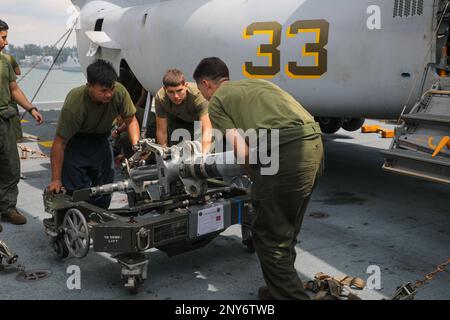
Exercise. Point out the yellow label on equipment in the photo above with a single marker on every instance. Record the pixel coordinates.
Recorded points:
(46, 144)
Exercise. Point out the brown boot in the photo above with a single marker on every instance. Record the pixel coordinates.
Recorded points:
(14, 216)
(264, 294)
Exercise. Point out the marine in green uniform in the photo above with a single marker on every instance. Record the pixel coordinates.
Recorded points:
(81, 155)
(9, 156)
(279, 200)
(17, 127)
(178, 104)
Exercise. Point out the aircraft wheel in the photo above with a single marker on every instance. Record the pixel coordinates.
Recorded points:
(330, 125)
(353, 124)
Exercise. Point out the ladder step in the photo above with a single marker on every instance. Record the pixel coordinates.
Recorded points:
(417, 164)
(416, 156)
(427, 118)
(417, 174)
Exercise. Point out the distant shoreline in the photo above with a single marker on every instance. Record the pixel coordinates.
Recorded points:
(55, 67)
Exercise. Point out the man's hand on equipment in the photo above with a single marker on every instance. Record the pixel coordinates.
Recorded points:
(55, 186)
(36, 115)
(115, 134)
(137, 147)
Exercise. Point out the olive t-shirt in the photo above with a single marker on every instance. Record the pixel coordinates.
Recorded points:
(255, 104)
(7, 76)
(11, 60)
(190, 110)
(81, 115)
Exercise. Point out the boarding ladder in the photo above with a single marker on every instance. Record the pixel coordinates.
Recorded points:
(421, 146)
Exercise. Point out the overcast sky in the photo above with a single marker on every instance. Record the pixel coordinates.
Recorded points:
(41, 22)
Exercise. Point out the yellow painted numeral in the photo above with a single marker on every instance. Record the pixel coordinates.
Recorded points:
(265, 50)
(316, 50)
(272, 52)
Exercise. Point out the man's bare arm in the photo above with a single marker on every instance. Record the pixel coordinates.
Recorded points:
(161, 131)
(133, 129)
(206, 133)
(19, 97)
(240, 147)
(57, 160)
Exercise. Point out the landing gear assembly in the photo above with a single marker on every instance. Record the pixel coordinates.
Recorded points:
(330, 125)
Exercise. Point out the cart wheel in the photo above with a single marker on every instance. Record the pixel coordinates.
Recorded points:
(60, 248)
(133, 284)
(249, 244)
(76, 233)
(247, 239)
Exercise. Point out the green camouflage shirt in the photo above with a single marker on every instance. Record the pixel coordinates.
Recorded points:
(256, 104)
(81, 115)
(7, 76)
(190, 110)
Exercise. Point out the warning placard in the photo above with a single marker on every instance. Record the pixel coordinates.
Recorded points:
(210, 220)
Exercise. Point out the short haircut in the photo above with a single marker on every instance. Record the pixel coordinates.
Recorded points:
(3, 26)
(174, 78)
(211, 68)
(101, 72)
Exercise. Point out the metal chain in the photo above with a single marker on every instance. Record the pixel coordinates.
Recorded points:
(408, 291)
(440, 268)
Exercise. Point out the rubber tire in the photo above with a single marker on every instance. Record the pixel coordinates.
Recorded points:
(250, 245)
(353, 124)
(60, 248)
(330, 125)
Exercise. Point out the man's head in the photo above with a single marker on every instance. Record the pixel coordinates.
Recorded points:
(3, 34)
(209, 75)
(101, 78)
(175, 86)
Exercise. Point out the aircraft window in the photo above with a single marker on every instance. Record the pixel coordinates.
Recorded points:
(98, 25)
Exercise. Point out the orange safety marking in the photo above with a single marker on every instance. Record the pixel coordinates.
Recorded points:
(370, 129)
(430, 143)
(445, 141)
(46, 144)
(387, 133)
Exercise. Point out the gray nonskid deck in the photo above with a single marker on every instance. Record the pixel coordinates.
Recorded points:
(359, 216)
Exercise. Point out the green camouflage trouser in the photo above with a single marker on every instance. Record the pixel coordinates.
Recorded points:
(280, 202)
(9, 166)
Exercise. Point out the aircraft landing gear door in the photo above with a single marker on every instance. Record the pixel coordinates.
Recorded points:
(93, 48)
